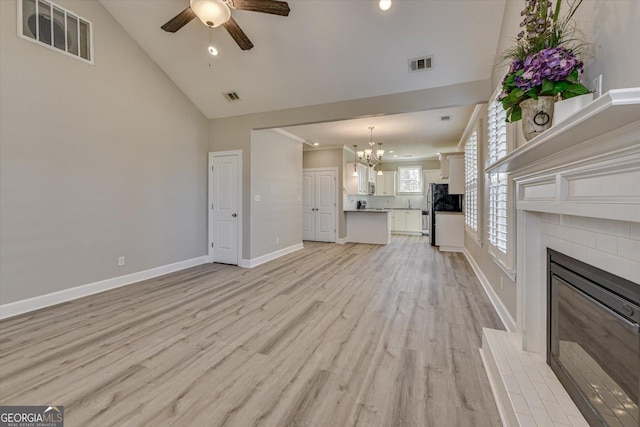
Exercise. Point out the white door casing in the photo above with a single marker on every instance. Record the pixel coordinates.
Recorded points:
(224, 204)
(308, 208)
(319, 205)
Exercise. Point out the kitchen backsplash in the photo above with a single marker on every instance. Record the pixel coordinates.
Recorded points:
(377, 202)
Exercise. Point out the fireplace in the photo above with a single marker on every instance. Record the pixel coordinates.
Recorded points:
(594, 339)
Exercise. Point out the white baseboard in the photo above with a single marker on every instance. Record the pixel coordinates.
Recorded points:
(47, 300)
(503, 313)
(254, 262)
(450, 249)
(341, 240)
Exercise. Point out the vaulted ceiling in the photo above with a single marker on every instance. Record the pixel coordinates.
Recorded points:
(324, 51)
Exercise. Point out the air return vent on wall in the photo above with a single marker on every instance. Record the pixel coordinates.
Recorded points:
(420, 64)
(232, 96)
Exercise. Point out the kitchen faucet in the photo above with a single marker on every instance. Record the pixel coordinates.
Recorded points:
(409, 203)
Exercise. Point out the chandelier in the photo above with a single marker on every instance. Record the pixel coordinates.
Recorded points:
(373, 159)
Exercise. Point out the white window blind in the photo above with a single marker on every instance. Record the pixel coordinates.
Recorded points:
(409, 179)
(471, 182)
(497, 227)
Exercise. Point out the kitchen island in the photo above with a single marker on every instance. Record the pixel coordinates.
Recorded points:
(369, 226)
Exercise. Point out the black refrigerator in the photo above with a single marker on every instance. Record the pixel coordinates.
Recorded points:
(439, 200)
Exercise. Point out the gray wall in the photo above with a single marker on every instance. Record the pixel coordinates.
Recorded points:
(276, 175)
(234, 133)
(612, 27)
(98, 161)
(333, 158)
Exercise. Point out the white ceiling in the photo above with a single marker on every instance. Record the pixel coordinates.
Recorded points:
(420, 135)
(324, 51)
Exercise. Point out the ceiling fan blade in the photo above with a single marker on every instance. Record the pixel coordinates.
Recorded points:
(179, 21)
(238, 35)
(273, 7)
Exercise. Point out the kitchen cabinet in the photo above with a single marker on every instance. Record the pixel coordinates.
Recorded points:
(450, 231)
(444, 166)
(452, 168)
(356, 185)
(386, 184)
(371, 175)
(432, 177)
(456, 174)
(407, 221)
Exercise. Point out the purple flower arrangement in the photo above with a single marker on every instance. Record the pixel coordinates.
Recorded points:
(542, 63)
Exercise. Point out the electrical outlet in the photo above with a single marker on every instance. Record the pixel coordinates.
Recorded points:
(120, 261)
(277, 240)
(596, 86)
(256, 198)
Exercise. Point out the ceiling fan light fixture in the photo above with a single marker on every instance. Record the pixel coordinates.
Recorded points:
(384, 5)
(212, 13)
(212, 50)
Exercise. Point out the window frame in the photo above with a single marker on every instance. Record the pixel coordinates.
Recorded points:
(399, 180)
(471, 185)
(67, 12)
(504, 259)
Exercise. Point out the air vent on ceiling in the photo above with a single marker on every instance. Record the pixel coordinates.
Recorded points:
(232, 96)
(445, 118)
(407, 155)
(420, 64)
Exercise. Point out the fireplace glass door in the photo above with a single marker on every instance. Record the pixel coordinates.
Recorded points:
(595, 350)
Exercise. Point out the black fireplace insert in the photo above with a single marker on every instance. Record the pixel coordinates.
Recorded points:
(593, 339)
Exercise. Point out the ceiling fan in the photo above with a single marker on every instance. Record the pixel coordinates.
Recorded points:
(214, 13)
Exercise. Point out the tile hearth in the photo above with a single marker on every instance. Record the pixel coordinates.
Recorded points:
(530, 393)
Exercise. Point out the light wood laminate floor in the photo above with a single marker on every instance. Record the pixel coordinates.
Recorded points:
(331, 335)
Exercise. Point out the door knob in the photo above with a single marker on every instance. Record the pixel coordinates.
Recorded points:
(234, 215)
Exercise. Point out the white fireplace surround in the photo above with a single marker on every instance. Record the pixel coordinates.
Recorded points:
(578, 192)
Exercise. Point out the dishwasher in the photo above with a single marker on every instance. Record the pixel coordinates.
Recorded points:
(425, 223)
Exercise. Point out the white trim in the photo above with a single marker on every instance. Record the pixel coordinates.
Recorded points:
(213, 154)
(471, 126)
(497, 303)
(58, 297)
(450, 249)
(254, 262)
(491, 371)
(341, 240)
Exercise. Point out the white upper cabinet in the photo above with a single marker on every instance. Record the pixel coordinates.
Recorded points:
(452, 168)
(386, 184)
(456, 174)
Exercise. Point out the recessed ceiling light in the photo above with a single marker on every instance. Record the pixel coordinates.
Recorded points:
(213, 51)
(395, 155)
(390, 151)
(316, 144)
(384, 5)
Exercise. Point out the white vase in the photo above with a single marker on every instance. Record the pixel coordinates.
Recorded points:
(537, 115)
(566, 108)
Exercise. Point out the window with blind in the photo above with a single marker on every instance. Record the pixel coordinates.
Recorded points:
(409, 179)
(498, 185)
(471, 183)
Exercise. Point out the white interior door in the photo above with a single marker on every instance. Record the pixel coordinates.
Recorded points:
(308, 208)
(325, 206)
(225, 209)
(319, 205)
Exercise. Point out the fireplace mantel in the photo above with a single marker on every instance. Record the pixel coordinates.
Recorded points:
(567, 141)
